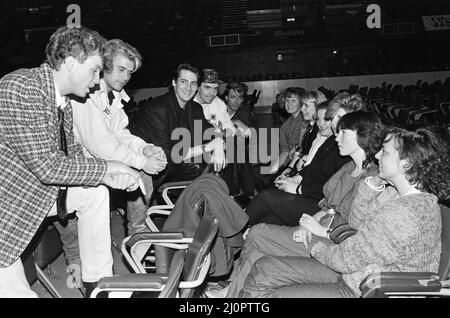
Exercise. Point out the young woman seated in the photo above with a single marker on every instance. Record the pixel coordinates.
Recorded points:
(294, 196)
(398, 226)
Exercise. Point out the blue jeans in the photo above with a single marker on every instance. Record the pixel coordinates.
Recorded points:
(267, 239)
(69, 239)
(137, 206)
(293, 277)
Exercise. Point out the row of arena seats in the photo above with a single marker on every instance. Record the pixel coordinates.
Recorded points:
(349, 71)
(419, 104)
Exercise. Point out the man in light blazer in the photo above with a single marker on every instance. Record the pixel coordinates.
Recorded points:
(35, 164)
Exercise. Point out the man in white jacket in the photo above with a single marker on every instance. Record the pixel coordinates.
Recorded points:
(100, 126)
(215, 109)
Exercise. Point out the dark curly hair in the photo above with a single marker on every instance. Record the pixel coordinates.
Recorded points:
(239, 87)
(294, 91)
(428, 159)
(76, 42)
(370, 132)
(188, 67)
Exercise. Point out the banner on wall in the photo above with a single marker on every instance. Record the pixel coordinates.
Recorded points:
(436, 22)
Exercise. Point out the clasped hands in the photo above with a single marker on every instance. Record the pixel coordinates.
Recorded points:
(156, 159)
(120, 176)
(286, 184)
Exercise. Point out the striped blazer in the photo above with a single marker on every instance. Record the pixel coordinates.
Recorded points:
(31, 165)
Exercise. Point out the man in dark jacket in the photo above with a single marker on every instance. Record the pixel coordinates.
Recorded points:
(165, 116)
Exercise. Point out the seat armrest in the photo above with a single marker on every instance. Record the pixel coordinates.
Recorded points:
(154, 236)
(133, 281)
(378, 284)
(419, 114)
(177, 184)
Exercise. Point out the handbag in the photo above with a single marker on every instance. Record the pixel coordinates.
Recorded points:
(341, 232)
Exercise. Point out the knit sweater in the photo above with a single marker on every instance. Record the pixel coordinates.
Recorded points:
(400, 234)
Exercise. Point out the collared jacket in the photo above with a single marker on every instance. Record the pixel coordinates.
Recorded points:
(101, 128)
(216, 113)
(162, 115)
(325, 163)
(32, 164)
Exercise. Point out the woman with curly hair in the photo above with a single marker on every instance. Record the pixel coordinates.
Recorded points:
(398, 223)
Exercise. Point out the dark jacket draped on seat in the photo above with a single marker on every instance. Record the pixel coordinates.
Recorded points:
(218, 203)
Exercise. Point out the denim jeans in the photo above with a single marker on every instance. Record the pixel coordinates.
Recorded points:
(69, 238)
(137, 206)
(267, 239)
(293, 277)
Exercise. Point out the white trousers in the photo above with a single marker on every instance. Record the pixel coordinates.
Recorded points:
(92, 208)
(13, 283)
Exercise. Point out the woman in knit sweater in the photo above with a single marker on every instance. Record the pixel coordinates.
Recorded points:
(399, 227)
(361, 137)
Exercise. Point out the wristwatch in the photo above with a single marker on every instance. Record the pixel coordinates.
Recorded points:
(203, 148)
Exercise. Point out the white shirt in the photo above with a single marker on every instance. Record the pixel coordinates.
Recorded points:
(216, 113)
(60, 100)
(314, 147)
(101, 129)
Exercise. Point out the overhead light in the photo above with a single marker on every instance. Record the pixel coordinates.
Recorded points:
(290, 19)
(279, 57)
(335, 51)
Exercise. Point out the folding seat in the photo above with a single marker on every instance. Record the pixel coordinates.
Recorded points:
(188, 268)
(43, 249)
